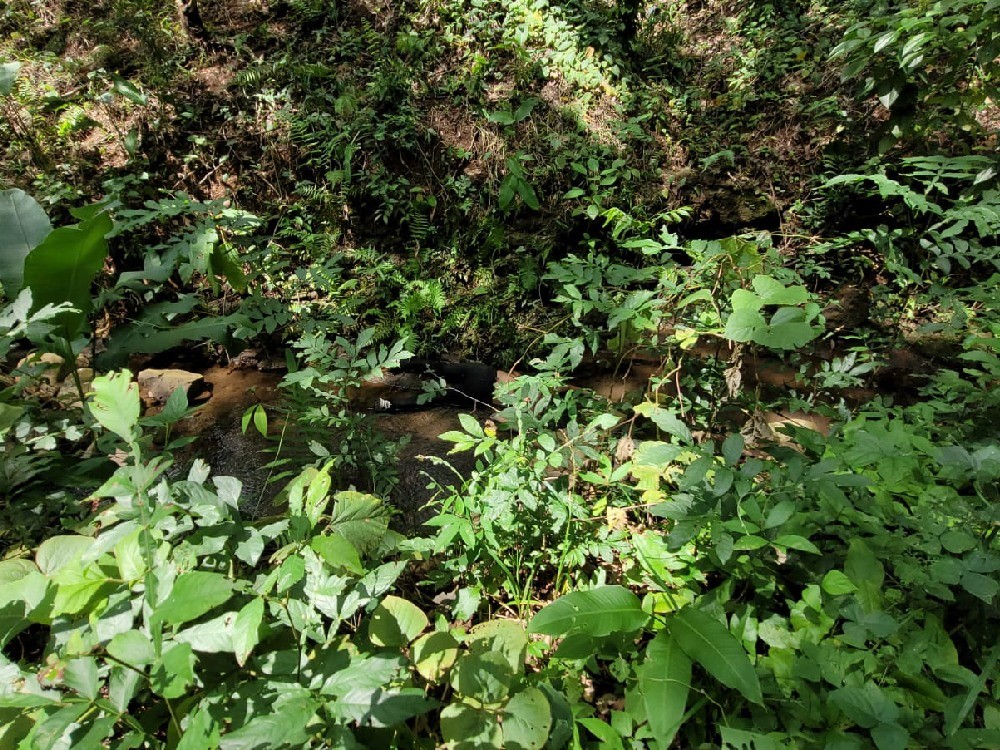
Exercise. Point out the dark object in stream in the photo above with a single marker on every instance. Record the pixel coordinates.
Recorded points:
(466, 384)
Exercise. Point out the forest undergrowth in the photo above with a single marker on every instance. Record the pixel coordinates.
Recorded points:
(786, 213)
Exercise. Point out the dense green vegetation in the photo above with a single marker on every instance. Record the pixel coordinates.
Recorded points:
(785, 213)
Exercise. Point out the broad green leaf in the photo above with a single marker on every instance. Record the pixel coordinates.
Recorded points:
(890, 736)
(527, 194)
(395, 622)
(23, 226)
(338, 553)
(77, 588)
(484, 677)
(780, 513)
(867, 705)
(732, 448)
(655, 453)
(130, 557)
(246, 629)
(380, 707)
(63, 267)
(434, 654)
(794, 541)
(15, 569)
(788, 335)
(151, 337)
(773, 292)
(709, 643)
(56, 552)
(129, 90)
(56, 726)
(744, 325)
(471, 425)
(664, 683)
(363, 672)
(115, 404)
(286, 725)
(610, 739)
(464, 727)
(526, 720)
(132, 647)
(666, 420)
(213, 636)
(174, 673)
(980, 586)
(80, 674)
(260, 420)
(193, 594)
(317, 496)
(502, 117)
(9, 414)
(8, 74)
(361, 518)
(866, 572)
(835, 583)
(292, 570)
(201, 731)
(957, 541)
(598, 612)
(506, 637)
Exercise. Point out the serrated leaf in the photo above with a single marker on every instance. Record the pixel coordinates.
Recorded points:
(597, 613)
(362, 519)
(381, 707)
(210, 637)
(709, 643)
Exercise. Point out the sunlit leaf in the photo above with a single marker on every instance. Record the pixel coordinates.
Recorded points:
(709, 643)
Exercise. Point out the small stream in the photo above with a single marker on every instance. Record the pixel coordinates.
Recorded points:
(230, 452)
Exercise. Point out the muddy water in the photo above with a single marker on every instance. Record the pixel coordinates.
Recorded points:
(221, 442)
(420, 479)
(230, 452)
(223, 445)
